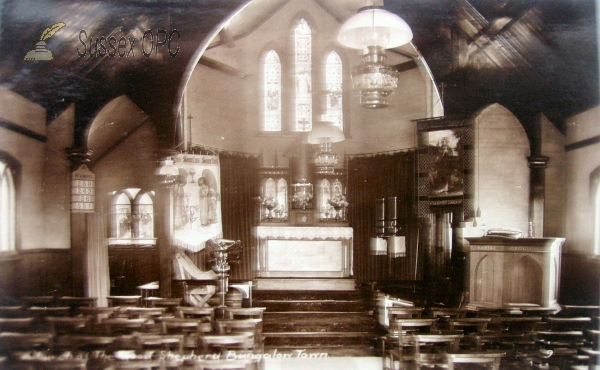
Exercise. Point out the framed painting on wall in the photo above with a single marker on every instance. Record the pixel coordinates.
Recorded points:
(446, 164)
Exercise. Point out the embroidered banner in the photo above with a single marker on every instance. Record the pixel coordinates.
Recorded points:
(197, 201)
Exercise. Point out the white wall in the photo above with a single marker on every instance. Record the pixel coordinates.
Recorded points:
(501, 169)
(580, 164)
(44, 199)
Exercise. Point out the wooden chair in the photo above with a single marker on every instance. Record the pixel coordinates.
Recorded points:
(99, 313)
(469, 324)
(244, 313)
(23, 324)
(437, 346)
(222, 365)
(69, 325)
(40, 301)
(249, 326)
(168, 342)
(206, 314)
(137, 364)
(220, 344)
(480, 358)
(448, 312)
(124, 300)
(24, 341)
(144, 312)
(76, 302)
(191, 329)
(12, 311)
(170, 304)
(397, 337)
(119, 325)
(91, 343)
(404, 313)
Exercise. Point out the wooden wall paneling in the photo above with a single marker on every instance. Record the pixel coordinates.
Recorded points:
(132, 266)
(43, 272)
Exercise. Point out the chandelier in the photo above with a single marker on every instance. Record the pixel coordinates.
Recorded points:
(325, 133)
(373, 30)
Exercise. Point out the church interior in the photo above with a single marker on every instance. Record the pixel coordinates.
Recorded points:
(263, 184)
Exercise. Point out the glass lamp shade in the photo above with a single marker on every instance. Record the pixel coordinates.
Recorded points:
(374, 27)
(167, 168)
(325, 132)
(374, 80)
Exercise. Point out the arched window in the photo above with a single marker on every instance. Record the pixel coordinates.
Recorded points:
(272, 92)
(132, 218)
(333, 85)
(303, 76)
(8, 209)
(292, 110)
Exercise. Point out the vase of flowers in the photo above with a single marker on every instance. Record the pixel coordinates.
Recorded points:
(339, 203)
(269, 203)
(302, 200)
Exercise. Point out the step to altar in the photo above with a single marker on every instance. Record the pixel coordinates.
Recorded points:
(335, 322)
(304, 284)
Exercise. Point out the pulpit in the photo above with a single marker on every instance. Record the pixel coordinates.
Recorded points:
(296, 251)
(512, 272)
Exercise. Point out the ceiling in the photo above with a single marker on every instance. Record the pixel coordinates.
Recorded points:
(530, 56)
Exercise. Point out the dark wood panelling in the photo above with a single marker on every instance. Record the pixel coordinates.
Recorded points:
(579, 281)
(132, 266)
(37, 272)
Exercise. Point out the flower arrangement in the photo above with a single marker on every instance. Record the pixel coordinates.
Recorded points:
(269, 203)
(302, 200)
(338, 201)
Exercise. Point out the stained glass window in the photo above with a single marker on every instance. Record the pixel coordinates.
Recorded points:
(303, 74)
(333, 85)
(8, 214)
(272, 92)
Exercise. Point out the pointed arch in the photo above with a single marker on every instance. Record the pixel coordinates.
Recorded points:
(272, 92)
(302, 51)
(334, 85)
(485, 278)
(526, 280)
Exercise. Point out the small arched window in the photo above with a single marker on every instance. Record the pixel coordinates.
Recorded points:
(334, 87)
(272, 92)
(132, 218)
(303, 76)
(8, 209)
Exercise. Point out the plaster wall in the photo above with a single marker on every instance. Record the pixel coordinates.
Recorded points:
(501, 170)
(553, 146)
(30, 153)
(580, 164)
(57, 181)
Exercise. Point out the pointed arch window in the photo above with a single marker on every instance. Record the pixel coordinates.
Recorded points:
(8, 209)
(132, 218)
(272, 92)
(334, 86)
(303, 76)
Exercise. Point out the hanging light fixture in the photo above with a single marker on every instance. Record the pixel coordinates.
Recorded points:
(324, 133)
(167, 170)
(373, 30)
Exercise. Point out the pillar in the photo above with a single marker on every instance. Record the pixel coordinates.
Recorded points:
(537, 188)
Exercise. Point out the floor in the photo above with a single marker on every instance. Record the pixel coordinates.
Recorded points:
(304, 362)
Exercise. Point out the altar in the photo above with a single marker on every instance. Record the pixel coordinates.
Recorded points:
(512, 272)
(303, 252)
